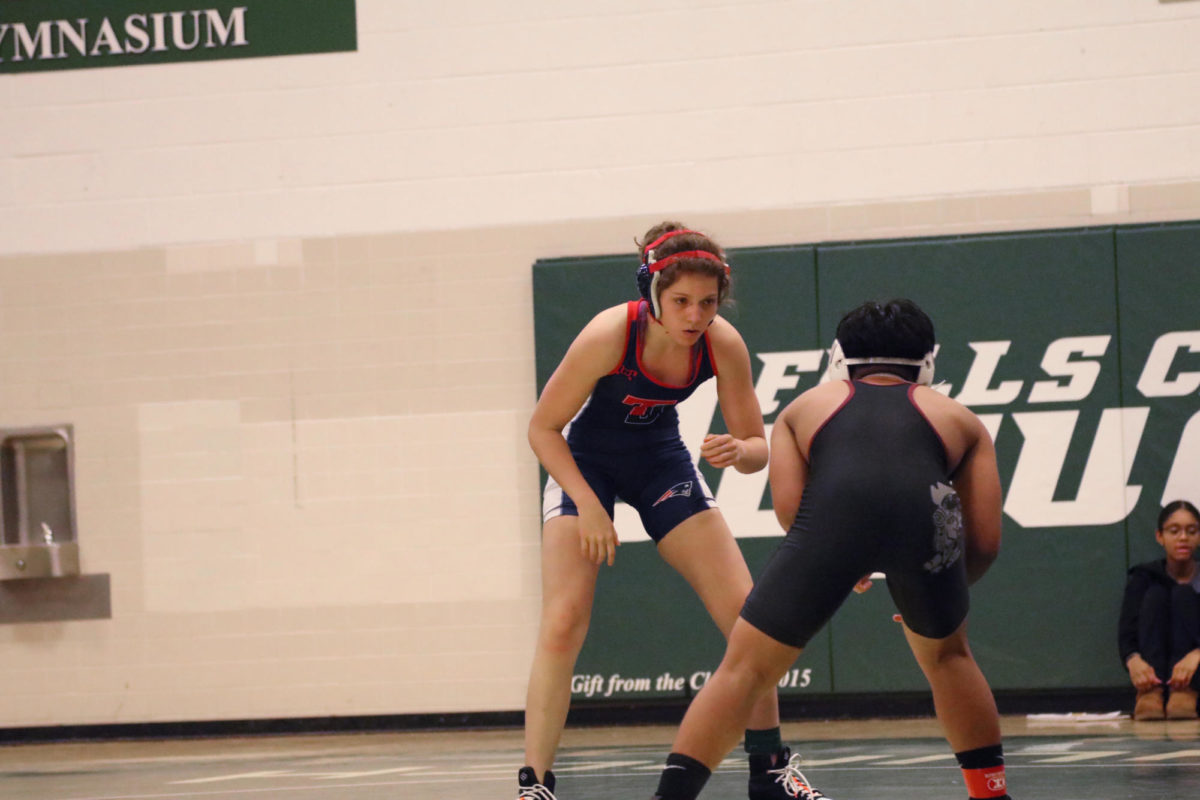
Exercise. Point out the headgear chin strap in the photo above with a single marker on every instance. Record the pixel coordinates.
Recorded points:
(647, 274)
(839, 365)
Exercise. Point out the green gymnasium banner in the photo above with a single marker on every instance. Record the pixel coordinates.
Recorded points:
(41, 35)
(1079, 349)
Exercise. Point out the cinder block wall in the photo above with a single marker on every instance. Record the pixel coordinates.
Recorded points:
(286, 302)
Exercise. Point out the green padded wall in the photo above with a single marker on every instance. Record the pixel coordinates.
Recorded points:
(1047, 336)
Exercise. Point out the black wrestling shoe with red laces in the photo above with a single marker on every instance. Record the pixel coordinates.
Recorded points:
(778, 777)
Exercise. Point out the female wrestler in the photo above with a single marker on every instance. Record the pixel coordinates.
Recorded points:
(605, 427)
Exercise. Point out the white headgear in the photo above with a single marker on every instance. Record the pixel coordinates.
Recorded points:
(839, 365)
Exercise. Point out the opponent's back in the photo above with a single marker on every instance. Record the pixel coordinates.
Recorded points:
(885, 454)
(874, 451)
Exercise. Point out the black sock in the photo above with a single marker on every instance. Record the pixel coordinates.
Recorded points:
(682, 778)
(527, 777)
(767, 742)
(980, 757)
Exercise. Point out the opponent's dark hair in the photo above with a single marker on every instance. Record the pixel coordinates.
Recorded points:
(680, 244)
(1173, 506)
(894, 329)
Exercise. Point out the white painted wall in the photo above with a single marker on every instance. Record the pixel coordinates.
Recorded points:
(470, 113)
(286, 301)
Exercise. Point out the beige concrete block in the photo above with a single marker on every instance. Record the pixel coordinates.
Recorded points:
(845, 220)
(1180, 196)
(1059, 204)
(318, 251)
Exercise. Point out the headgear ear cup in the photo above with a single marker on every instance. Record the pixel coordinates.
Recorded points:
(925, 374)
(837, 369)
(647, 282)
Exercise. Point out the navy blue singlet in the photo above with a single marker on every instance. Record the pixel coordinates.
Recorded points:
(626, 440)
(627, 407)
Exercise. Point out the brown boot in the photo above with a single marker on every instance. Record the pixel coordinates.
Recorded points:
(1181, 704)
(1149, 704)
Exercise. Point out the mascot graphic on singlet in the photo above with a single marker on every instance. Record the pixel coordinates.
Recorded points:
(678, 490)
(643, 411)
(947, 527)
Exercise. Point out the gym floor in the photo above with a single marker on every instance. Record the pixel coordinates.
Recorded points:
(1080, 759)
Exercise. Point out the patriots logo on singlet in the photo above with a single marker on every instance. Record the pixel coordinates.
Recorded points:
(678, 490)
(643, 411)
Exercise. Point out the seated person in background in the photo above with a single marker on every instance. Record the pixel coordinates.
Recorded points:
(1159, 630)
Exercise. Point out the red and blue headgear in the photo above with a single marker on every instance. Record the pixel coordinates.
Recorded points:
(647, 274)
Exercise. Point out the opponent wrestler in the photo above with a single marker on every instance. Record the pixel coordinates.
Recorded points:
(873, 472)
